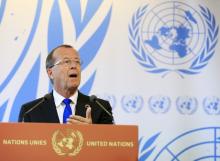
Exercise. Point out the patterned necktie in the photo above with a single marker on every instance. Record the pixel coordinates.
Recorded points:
(67, 111)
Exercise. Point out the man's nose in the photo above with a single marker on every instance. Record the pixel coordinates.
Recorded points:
(73, 65)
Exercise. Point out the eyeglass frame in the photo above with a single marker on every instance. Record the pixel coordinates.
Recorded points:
(66, 62)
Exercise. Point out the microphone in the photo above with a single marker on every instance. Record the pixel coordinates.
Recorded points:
(93, 98)
(45, 98)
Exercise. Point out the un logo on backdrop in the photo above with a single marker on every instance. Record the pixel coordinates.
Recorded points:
(173, 37)
(132, 103)
(159, 104)
(186, 105)
(211, 105)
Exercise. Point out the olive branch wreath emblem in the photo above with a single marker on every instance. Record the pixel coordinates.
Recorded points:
(59, 150)
(145, 60)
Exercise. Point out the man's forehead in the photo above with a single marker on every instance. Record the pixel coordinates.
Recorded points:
(66, 52)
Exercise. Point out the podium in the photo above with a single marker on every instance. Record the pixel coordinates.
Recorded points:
(56, 142)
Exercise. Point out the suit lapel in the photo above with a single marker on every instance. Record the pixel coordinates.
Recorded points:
(50, 110)
(80, 105)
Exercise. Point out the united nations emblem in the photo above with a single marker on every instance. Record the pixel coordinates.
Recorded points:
(173, 37)
(132, 103)
(186, 105)
(211, 105)
(67, 142)
(159, 104)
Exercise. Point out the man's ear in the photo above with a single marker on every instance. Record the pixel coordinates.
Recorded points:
(50, 73)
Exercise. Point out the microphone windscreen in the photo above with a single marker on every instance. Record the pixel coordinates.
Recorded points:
(46, 97)
(92, 98)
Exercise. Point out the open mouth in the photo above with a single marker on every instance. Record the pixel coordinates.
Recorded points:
(73, 75)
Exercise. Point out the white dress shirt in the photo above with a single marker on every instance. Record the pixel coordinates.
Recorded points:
(60, 106)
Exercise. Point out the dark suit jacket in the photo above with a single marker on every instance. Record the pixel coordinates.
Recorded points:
(46, 111)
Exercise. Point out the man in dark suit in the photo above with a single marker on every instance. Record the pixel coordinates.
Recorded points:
(66, 104)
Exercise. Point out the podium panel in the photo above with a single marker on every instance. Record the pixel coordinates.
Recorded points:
(53, 142)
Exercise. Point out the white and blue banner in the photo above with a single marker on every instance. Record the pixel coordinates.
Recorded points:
(156, 61)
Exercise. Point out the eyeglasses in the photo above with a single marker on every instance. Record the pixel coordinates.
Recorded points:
(66, 62)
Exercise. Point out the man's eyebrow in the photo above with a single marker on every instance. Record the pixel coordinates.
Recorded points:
(75, 58)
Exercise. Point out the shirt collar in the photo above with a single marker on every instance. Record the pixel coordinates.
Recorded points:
(58, 99)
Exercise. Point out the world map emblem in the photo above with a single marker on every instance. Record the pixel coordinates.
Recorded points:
(173, 37)
(186, 105)
(211, 105)
(159, 104)
(67, 142)
(132, 103)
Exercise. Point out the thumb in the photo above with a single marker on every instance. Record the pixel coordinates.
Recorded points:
(88, 113)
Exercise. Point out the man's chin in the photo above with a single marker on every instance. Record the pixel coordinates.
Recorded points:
(73, 87)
